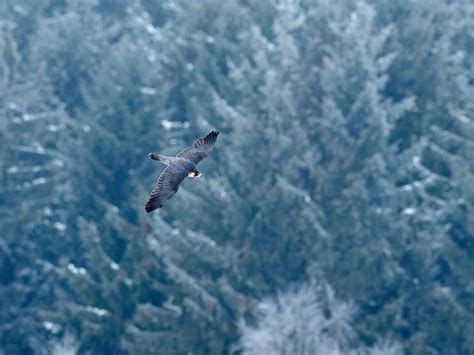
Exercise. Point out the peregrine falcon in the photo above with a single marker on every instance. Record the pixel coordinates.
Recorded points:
(178, 168)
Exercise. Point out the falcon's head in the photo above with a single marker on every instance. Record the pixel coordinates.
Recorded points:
(194, 173)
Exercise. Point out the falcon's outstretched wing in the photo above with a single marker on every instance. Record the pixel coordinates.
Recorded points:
(200, 149)
(166, 186)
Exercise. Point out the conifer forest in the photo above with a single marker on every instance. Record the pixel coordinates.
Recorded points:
(335, 214)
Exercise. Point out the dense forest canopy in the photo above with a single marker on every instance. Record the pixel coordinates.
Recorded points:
(336, 213)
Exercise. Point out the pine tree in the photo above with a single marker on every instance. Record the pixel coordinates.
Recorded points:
(33, 191)
(433, 157)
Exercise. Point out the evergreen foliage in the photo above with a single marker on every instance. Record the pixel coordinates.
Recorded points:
(344, 165)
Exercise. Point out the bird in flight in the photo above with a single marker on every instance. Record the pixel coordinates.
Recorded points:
(178, 168)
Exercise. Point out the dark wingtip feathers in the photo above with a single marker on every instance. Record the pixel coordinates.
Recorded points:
(209, 139)
(152, 205)
(149, 209)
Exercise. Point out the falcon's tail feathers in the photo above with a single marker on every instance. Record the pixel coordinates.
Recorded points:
(161, 158)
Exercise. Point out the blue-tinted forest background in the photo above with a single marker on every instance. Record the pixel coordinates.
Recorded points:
(335, 215)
